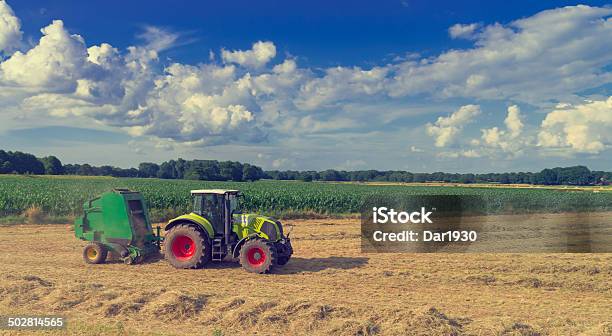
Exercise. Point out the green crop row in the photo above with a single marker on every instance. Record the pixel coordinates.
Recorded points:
(65, 195)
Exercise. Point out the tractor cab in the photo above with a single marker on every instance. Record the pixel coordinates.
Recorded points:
(217, 206)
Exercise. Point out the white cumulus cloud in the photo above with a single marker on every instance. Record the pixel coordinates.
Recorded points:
(10, 29)
(550, 55)
(513, 121)
(508, 140)
(463, 30)
(259, 55)
(57, 61)
(585, 128)
(341, 83)
(446, 129)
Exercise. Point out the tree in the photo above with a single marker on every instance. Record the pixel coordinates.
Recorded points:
(306, 177)
(230, 170)
(85, 169)
(251, 173)
(166, 170)
(194, 173)
(330, 175)
(504, 178)
(104, 171)
(467, 178)
(6, 167)
(71, 169)
(24, 163)
(180, 167)
(52, 165)
(210, 171)
(546, 176)
(577, 175)
(148, 169)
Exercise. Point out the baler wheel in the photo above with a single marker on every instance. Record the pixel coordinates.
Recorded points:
(187, 247)
(258, 256)
(95, 253)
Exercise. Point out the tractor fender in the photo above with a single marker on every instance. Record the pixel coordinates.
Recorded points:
(238, 246)
(193, 219)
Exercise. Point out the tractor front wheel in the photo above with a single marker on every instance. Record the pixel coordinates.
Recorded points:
(258, 256)
(187, 247)
(283, 260)
(95, 253)
(284, 253)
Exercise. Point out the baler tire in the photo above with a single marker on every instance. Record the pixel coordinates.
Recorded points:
(249, 260)
(95, 253)
(194, 257)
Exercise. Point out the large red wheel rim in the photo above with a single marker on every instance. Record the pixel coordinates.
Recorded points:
(256, 256)
(183, 248)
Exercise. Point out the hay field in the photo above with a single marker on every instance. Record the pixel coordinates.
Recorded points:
(329, 287)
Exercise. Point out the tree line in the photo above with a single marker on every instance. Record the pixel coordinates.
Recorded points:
(213, 170)
(210, 170)
(576, 175)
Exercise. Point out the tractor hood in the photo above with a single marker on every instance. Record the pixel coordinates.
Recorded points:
(268, 225)
(253, 216)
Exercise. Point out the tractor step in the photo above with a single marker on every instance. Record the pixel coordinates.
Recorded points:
(218, 249)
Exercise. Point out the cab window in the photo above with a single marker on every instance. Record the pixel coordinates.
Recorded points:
(197, 204)
(234, 204)
(213, 210)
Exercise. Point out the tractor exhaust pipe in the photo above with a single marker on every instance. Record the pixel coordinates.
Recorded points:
(228, 220)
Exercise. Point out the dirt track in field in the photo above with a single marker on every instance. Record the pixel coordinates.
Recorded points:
(329, 287)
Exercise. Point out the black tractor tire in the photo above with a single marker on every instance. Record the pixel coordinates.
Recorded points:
(285, 252)
(95, 253)
(187, 247)
(258, 256)
(283, 260)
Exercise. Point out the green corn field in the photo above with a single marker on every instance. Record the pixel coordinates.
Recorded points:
(65, 195)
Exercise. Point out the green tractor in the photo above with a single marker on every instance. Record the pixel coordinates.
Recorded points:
(216, 229)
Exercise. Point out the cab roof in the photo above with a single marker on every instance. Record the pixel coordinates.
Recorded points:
(215, 191)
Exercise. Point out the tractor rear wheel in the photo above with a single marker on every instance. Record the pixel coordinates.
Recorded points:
(187, 247)
(258, 256)
(95, 253)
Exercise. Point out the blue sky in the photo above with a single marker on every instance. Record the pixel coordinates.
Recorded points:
(320, 33)
(415, 85)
